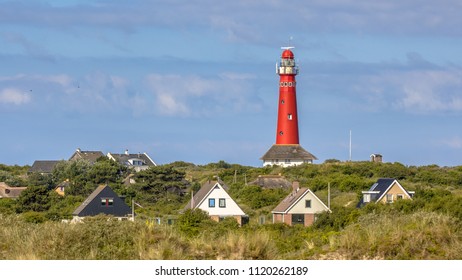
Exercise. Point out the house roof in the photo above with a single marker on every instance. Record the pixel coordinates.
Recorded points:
(43, 166)
(90, 156)
(10, 192)
(92, 207)
(126, 157)
(282, 152)
(89, 199)
(203, 192)
(383, 185)
(289, 201)
(271, 181)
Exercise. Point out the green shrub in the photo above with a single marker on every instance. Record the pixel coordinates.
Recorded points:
(190, 221)
(33, 217)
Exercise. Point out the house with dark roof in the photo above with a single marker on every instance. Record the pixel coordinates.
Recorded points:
(214, 199)
(90, 156)
(43, 166)
(7, 191)
(385, 190)
(103, 200)
(287, 155)
(271, 182)
(299, 207)
(135, 161)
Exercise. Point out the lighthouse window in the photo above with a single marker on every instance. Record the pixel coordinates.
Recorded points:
(282, 101)
(281, 133)
(281, 84)
(290, 84)
(285, 84)
(289, 116)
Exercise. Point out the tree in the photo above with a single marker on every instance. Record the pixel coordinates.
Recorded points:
(156, 180)
(37, 179)
(34, 198)
(106, 171)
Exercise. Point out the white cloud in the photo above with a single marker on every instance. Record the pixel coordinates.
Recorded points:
(421, 91)
(430, 91)
(454, 143)
(195, 95)
(14, 96)
(168, 105)
(244, 19)
(61, 79)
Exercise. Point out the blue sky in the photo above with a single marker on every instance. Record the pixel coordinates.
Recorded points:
(195, 80)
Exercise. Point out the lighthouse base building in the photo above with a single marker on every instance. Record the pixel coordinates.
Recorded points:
(287, 155)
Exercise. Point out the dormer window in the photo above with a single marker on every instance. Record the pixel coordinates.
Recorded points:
(107, 201)
(136, 162)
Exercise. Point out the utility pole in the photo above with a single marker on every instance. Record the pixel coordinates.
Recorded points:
(328, 195)
(350, 144)
(133, 209)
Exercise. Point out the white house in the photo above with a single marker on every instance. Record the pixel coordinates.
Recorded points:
(215, 200)
(137, 161)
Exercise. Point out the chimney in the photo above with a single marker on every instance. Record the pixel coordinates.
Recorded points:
(295, 186)
(126, 152)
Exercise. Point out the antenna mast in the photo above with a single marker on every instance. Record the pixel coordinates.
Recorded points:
(350, 144)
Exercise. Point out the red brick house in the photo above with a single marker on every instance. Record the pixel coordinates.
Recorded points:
(299, 207)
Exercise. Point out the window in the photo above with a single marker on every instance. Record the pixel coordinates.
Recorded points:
(107, 201)
(367, 198)
(281, 133)
(222, 203)
(399, 196)
(211, 202)
(298, 219)
(289, 116)
(308, 203)
(282, 101)
(287, 160)
(389, 198)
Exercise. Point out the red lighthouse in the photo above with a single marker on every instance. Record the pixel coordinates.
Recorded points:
(287, 150)
(287, 129)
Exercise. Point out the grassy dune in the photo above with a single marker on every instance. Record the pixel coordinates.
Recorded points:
(419, 235)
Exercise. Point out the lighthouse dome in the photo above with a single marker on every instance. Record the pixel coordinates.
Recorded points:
(287, 54)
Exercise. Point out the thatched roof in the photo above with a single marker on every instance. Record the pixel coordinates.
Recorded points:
(10, 192)
(293, 152)
(271, 182)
